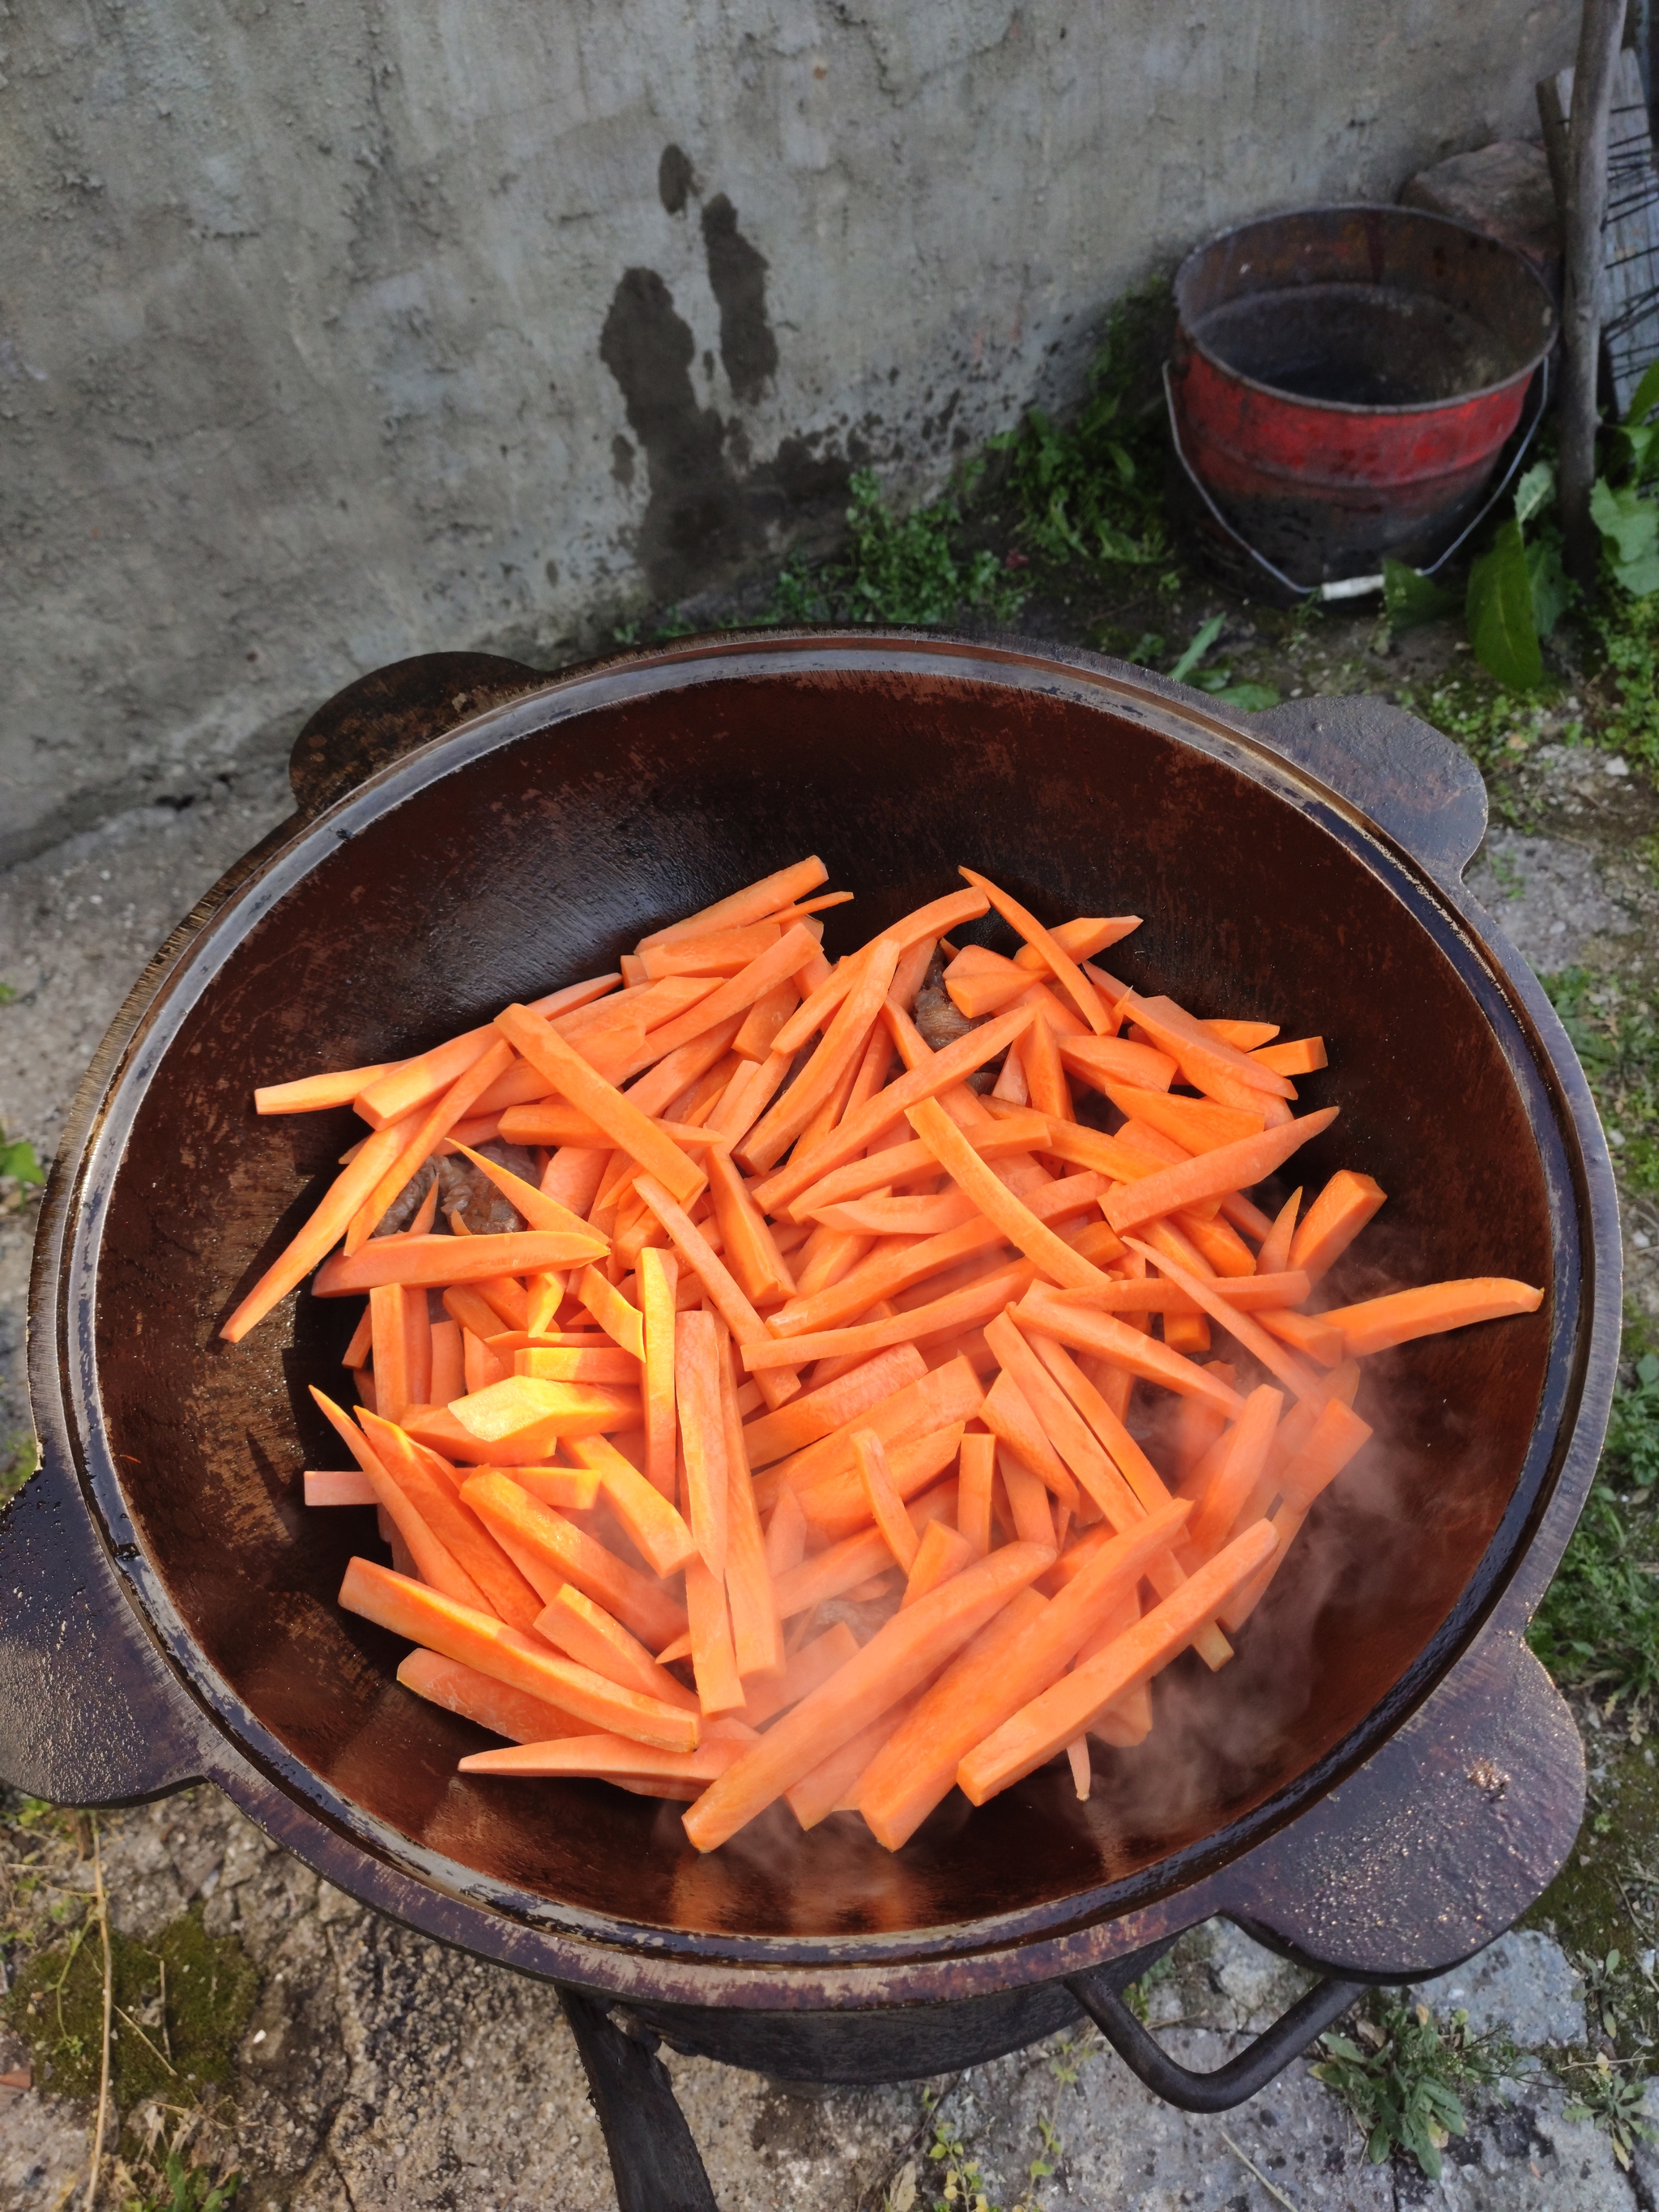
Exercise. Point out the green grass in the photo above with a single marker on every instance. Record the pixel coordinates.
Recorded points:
(1617, 1039)
(1598, 1627)
(1627, 630)
(1405, 2081)
(901, 567)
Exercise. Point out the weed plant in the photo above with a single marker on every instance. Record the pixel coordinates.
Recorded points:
(901, 568)
(1404, 2079)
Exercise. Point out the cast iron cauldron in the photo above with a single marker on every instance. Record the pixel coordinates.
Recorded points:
(1379, 1785)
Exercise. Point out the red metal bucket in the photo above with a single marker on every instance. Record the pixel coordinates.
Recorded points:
(1345, 381)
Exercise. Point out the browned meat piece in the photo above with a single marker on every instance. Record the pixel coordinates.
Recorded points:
(941, 1023)
(466, 1190)
(409, 1201)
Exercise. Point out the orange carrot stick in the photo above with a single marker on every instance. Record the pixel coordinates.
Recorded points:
(606, 1757)
(653, 1525)
(1059, 1421)
(843, 1566)
(658, 1273)
(622, 1323)
(786, 1535)
(539, 1211)
(982, 1689)
(979, 1467)
(750, 1253)
(924, 925)
(713, 1661)
(943, 1552)
(503, 1589)
(1273, 1255)
(592, 1637)
(950, 1392)
(1295, 1056)
(898, 1659)
(1016, 1220)
(1081, 991)
(521, 1407)
(886, 1506)
(1203, 1055)
(1069, 1706)
(1400, 1316)
(843, 1043)
(631, 1131)
(581, 1364)
(478, 1639)
(702, 1430)
(945, 1317)
(1028, 1499)
(312, 1094)
(390, 1344)
(832, 1786)
(939, 1072)
(461, 1689)
(432, 1558)
(1080, 940)
(1197, 1125)
(450, 1108)
(819, 1413)
(325, 1228)
(1009, 1416)
(1313, 1336)
(566, 1489)
(1337, 1434)
(436, 1261)
(761, 1024)
(338, 1487)
(408, 1086)
(1334, 1220)
(1228, 1167)
(836, 1507)
(1085, 1330)
(735, 1310)
(729, 1003)
(1294, 1373)
(754, 902)
(720, 952)
(1100, 1061)
(1243, 1455)
(509, 1512)
(751, 1596)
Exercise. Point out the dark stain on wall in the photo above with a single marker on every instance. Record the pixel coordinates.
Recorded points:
(694, 523)
(676, 179)
(737, 275)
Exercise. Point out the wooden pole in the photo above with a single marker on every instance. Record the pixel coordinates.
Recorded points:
(1582, 219)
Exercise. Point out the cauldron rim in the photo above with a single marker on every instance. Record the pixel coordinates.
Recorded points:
(117, 1085)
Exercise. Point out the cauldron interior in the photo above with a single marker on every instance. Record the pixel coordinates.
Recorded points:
(534, 864)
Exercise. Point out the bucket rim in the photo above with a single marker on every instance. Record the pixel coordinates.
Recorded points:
(1185, 332)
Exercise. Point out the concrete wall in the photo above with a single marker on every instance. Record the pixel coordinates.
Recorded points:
(332, 331)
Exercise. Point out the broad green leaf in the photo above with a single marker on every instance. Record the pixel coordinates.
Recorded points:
(1550, 589)
(1410, 599)
(1638, 577)
(1628, 523)
(1535, 490)
(1645, 398)
(1500, 617)
(18, 1161)
(1197, 648)
(1249, 698)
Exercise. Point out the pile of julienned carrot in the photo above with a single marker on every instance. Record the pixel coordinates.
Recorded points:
(788, 1449)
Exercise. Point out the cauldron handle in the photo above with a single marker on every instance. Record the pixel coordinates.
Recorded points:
(1219, 2090)
(381, 717)
(1414, 783)
(653, 2158)
(89, 1714)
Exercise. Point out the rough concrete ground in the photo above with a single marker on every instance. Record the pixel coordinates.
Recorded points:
(381, 2073)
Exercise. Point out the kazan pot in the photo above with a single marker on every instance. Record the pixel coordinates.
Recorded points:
(1344, 382)
(1382, 1781)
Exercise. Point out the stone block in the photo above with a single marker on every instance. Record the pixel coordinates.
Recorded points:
(1504, 189)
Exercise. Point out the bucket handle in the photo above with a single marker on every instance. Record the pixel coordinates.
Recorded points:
(1352, 588)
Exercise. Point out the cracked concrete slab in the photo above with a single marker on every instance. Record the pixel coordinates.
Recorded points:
(1549, 897)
